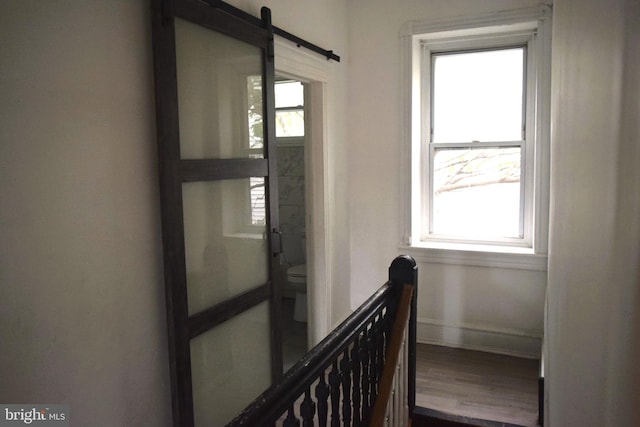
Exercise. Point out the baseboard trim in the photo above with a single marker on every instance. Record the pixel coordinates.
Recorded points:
(474, 337)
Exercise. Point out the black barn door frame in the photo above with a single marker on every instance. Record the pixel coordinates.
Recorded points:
(173, 172)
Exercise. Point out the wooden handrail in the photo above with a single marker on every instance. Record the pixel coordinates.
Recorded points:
(393, 352)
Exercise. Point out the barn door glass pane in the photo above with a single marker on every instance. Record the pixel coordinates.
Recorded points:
(219, 94)
(231, 366)
(225, 239)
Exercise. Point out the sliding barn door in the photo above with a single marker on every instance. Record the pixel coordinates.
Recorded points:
(214, 97)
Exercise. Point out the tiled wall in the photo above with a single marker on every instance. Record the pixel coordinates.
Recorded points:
(291, 196)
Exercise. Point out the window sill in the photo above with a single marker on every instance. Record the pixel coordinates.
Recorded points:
(477, 255)
(245, 236)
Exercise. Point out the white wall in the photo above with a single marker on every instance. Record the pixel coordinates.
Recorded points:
(592, 327)
(82, 317)
(324, 23)
(489, 308)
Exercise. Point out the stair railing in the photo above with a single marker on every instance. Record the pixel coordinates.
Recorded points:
(392, 406)
(339, 381)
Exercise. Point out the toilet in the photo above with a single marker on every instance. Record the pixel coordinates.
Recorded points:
(297, 278)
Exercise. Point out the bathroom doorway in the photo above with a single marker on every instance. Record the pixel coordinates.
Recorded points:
(312, 72)
(290, 137)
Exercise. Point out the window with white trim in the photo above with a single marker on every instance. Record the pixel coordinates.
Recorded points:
(479, 135)
(289, 111)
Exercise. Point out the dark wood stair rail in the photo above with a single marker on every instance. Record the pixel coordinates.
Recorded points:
(338, 382)
(393, 354)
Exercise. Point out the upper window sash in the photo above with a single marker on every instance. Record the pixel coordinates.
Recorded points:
(476, 137)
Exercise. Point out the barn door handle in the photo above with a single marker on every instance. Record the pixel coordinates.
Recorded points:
(276, 242)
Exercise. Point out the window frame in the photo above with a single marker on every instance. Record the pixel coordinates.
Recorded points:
(297, 140)
(529, 27)
(487, 42)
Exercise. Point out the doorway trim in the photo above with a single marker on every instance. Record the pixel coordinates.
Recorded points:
(313, 71)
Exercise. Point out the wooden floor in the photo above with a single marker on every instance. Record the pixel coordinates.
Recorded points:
(477, 385)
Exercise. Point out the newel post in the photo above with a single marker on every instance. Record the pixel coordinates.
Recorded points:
(404, 271)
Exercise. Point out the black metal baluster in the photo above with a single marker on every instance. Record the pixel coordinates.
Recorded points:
(356, 393)
(388, 324)
(307, 409)
(375, 362)
(334, 383)
(345, 367)
(372, 368)
(382, 345)
(367, 352)
(291, 420)
(322, 395)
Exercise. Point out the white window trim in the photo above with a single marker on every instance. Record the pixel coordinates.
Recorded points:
(507, 36)
(512, 24)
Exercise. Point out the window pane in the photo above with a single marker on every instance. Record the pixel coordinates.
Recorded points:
(478, 96)
(289, 123)
(219, 93)
(258, 201)
(220, 241)
(231, 366)
(289, 94)
(476, 192)
(254, 113)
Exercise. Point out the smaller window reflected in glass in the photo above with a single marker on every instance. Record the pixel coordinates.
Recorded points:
(254, 115)
(258, 201)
